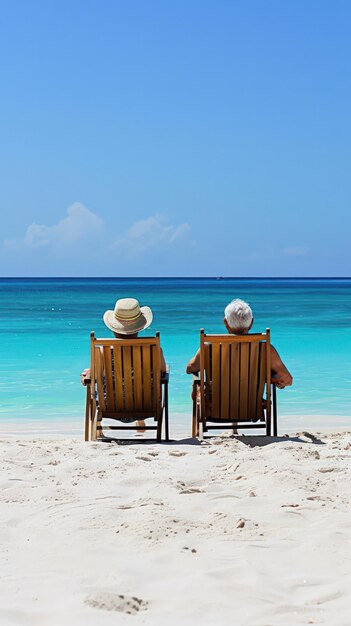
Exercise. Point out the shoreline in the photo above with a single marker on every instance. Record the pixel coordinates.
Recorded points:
(180, 426)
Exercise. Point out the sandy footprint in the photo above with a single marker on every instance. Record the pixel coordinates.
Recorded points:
(138, 503)
(176, 453)
(108, 601)
(183, 488)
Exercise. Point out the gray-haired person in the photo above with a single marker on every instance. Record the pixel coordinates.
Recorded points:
(238, 320)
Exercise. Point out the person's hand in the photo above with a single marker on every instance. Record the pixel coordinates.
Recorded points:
(278, 383)
(282, 381)
(85, 377)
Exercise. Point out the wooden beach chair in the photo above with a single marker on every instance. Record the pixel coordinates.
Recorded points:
(126, 382)
(235, 375)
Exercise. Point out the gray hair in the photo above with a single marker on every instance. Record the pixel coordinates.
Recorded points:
(238, 314)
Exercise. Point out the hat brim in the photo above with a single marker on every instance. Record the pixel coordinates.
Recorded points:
(129, 328)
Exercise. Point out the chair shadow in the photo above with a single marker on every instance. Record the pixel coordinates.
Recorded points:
(253, 441)
(188, 441)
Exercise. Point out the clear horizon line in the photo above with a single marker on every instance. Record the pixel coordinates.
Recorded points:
(176, 277)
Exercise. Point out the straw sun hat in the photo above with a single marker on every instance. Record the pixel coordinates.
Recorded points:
(128, 317)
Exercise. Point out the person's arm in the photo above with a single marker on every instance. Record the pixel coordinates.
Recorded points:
(281, 375)
(85, 377)
(163, 363)
(193, 366)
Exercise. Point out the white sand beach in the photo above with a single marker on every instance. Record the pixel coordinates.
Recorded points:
(248, 531)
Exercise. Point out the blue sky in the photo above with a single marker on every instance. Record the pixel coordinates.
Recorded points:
(175, 138)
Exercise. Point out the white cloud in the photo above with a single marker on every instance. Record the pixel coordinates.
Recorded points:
(153, 234)
(65, 247)
(79, 224)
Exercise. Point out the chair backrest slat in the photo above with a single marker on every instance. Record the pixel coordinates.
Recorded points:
(127, 378)
(253, 377)
(118, 376)
(110, 396)
(156, 367)
(244, 380)
(215, 378)
(262, 377)
(225, 380)
(234, 380)
(100, 374)
(147, 383)
(138, 377)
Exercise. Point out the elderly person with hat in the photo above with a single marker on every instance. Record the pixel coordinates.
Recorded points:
(126, 320)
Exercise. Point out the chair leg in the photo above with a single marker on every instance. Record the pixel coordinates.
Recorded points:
(159, 427)
(93, 436)
(275, 415)
(166, 414)
(194, 426)
(194, 429)
(88, 410)
(196, 411)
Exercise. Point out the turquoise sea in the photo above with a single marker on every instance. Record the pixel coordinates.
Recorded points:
(45, 326)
